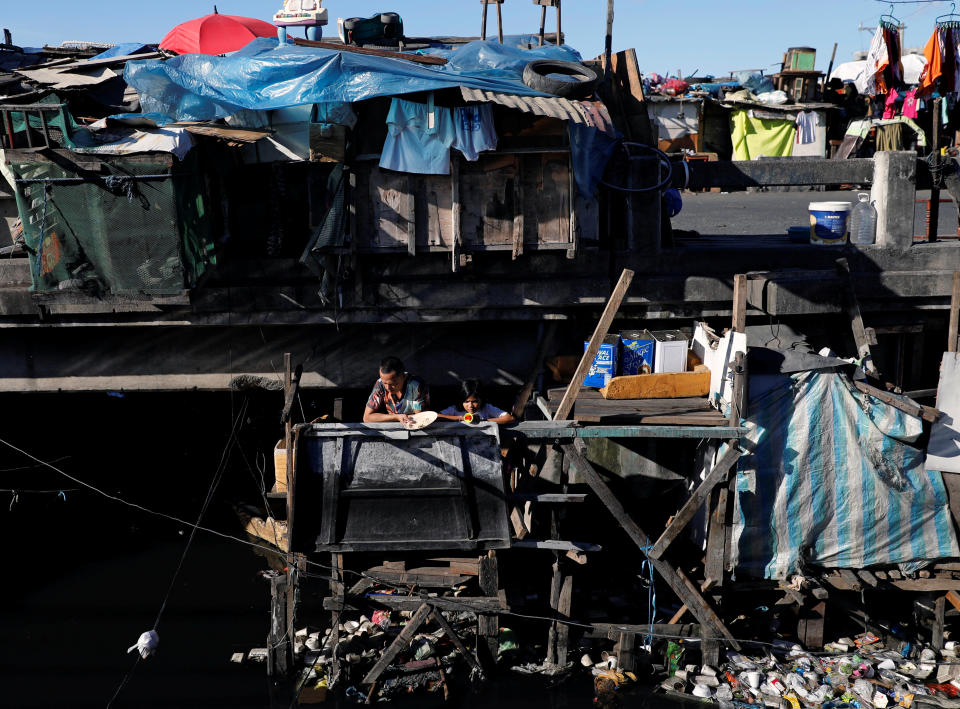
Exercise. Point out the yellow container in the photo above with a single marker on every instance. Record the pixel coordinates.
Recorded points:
(279, 467)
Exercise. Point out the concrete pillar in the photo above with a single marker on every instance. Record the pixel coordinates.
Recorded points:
(894, 194)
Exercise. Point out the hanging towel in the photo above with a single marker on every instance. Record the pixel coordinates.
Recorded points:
(807, 122)
(419, 137)
(474, 130)
(870, 80)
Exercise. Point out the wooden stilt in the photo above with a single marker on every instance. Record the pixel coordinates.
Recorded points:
(675, 578)
(488, 625)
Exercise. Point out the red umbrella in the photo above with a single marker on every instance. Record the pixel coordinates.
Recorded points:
(215, 34)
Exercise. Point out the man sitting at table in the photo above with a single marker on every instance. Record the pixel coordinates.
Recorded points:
(396, 395)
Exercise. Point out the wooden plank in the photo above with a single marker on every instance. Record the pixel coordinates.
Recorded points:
(717, 474)
(810, 626)
(667, 385)
(400, 642)
(853, 313)
(456, 213)
(675, 578)
(556, 581)
(626, 642)
(424, 576)
(954, 314)
(554, 545)
(518, 220)
(599, 333)
(415, 58)
(850, 579)
(437, 617)
(716, 537)
(953, 598)
(558, 497)
(614, 630)
(564, 609)
(569, 429)
(488, 626)
(740, 303)
(411, 218)
(936, 632)
(520, 530)
(478, 604)
(868, 578)
(927, 413)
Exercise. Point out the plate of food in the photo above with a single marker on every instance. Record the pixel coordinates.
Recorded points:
(421, 419)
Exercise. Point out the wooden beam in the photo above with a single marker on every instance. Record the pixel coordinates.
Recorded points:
(954, 314)
(675, 578)
(478, 604)
(936, 631)
(400, 642)
(927, 413)
(599, 333)
(740, 303)
(488, 626)
(554, 545)
(717, 474)
(853, 313)
(437, 617)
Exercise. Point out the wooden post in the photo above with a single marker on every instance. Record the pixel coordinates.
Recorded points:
(400, 642)
(675, 578)
(939, 613)
(933, 222)
(455, 207)
(852, 306)
(954, 314)
(740, 303)
(810, 625)
(609, 312)
(278, 641)
(488, 625)
(608, 42)
(555, 585)
(337, 594)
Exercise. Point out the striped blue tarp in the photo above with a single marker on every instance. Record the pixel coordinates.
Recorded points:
(834, 481)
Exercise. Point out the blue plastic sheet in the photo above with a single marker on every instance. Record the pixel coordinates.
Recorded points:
(125, 49)
(265, 75)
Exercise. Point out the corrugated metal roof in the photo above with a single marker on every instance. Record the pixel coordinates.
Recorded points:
(554, 107)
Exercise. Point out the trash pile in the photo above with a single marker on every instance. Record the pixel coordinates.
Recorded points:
(346, 659)
(858, 673)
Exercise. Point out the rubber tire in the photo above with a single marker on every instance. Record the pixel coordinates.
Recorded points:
(351, 22)
(389, 18)
(535, 76)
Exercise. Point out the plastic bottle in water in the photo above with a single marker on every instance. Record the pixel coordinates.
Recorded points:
(863, 221)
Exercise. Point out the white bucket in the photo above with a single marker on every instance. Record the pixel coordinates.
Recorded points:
(829, 222)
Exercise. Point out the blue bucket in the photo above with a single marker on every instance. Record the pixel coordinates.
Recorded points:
(829, 223)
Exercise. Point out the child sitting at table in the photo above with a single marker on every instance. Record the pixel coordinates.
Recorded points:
(473, 402)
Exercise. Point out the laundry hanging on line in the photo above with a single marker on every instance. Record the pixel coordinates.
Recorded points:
(883, 69)
(941, 72)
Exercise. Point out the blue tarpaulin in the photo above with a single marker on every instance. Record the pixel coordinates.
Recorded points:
(266, 75)
(834, 480)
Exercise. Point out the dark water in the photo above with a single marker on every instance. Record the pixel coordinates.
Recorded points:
(85, 576)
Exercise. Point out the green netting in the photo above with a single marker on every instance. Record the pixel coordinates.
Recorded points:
(61, 127)
(135, 225)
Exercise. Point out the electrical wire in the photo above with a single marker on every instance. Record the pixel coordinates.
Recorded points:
(451, 601)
